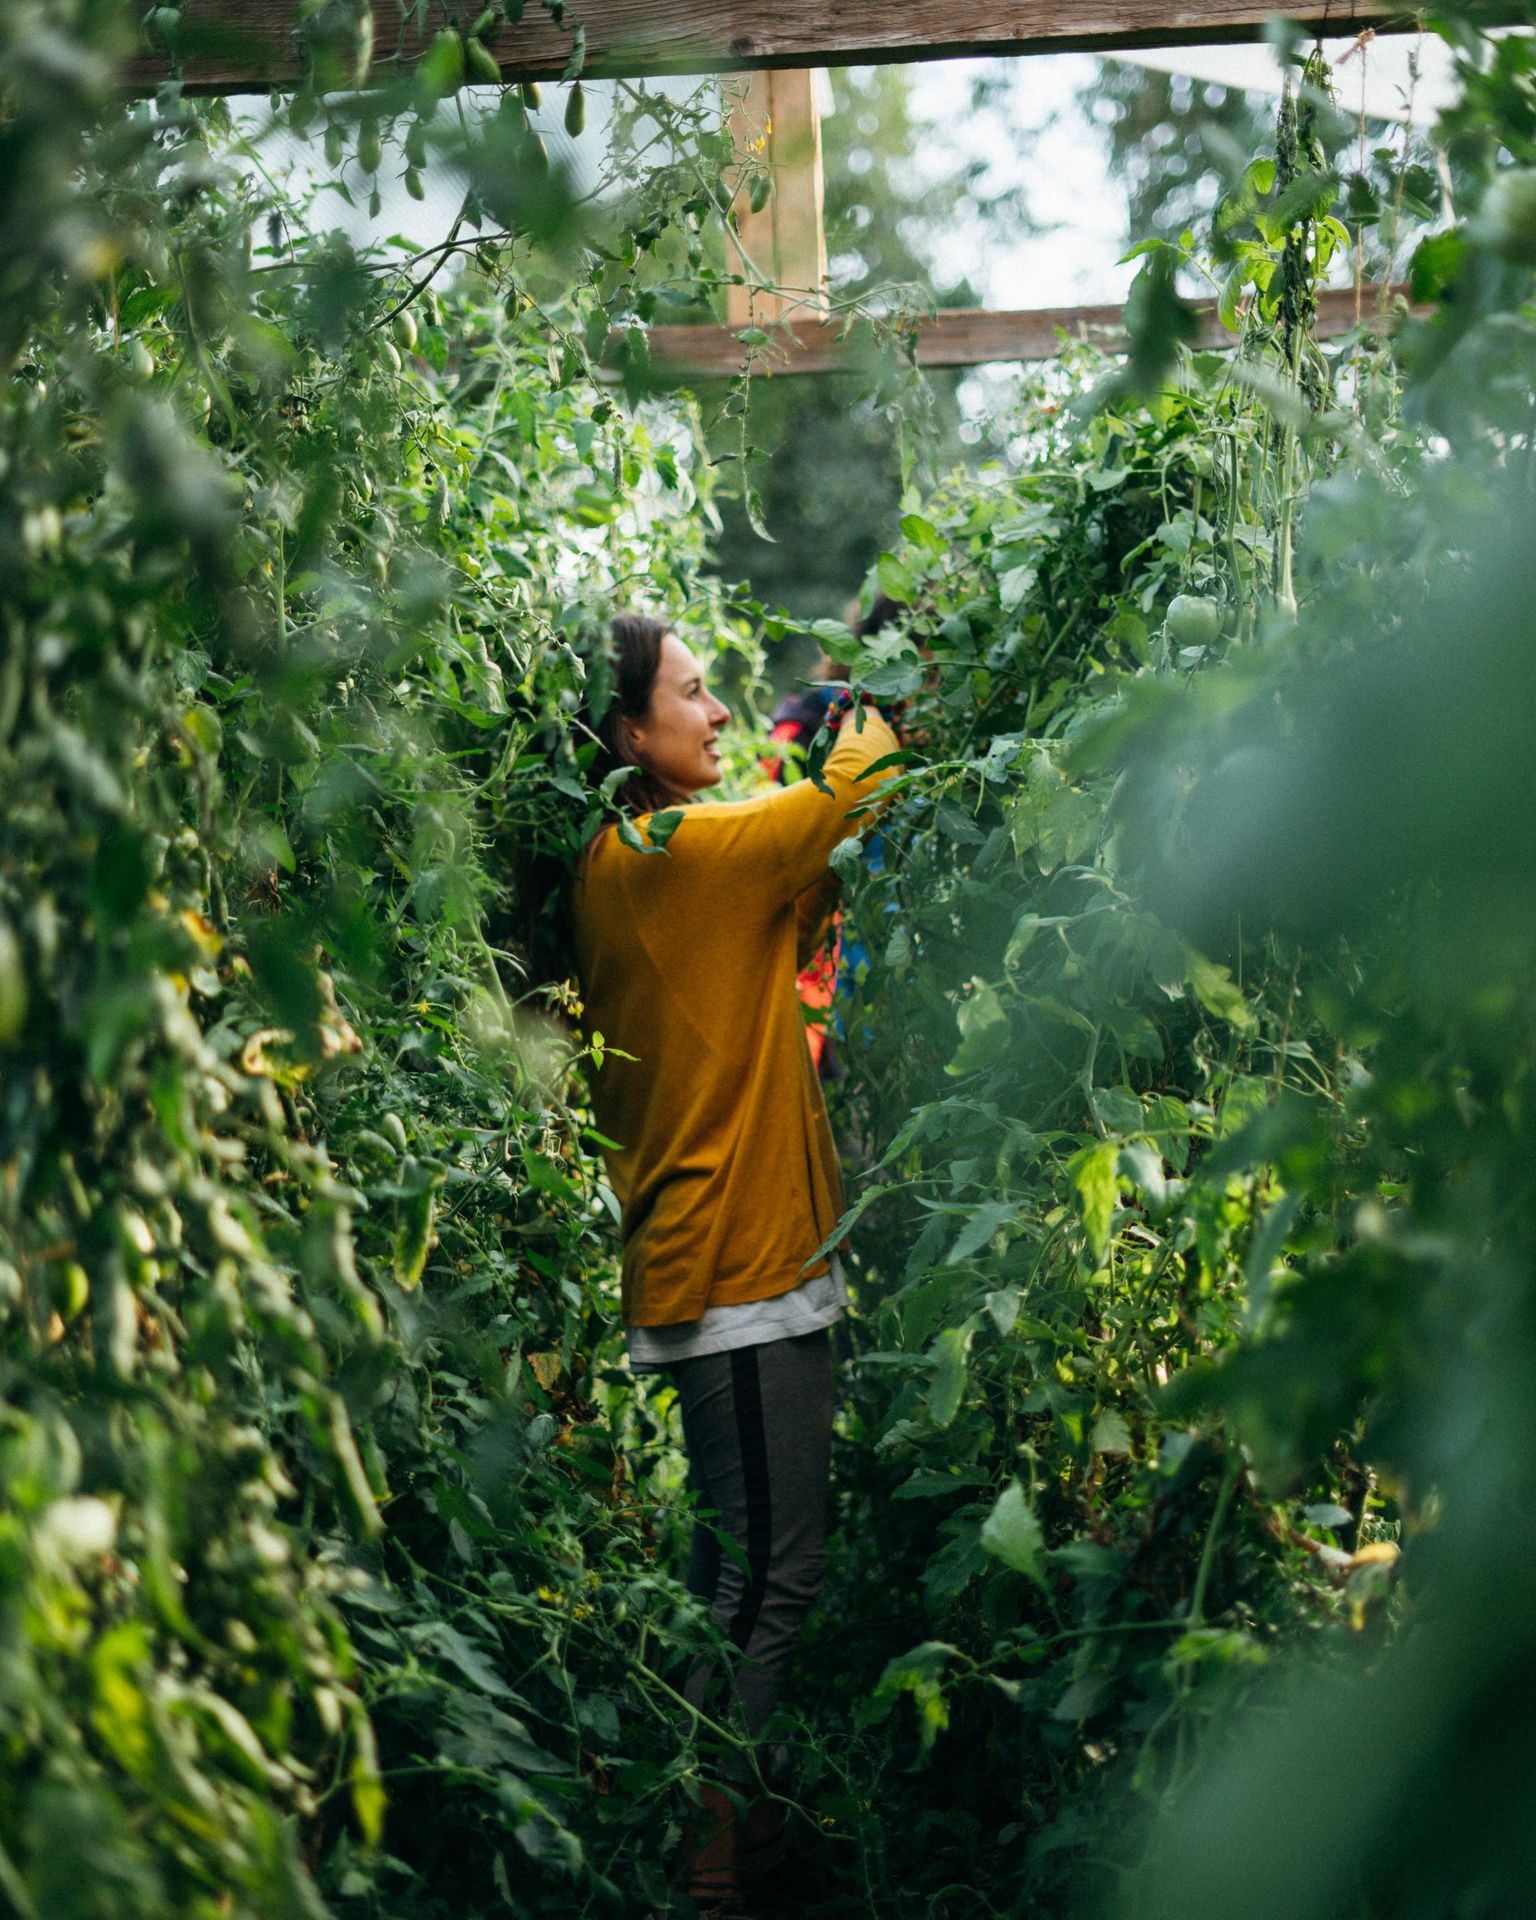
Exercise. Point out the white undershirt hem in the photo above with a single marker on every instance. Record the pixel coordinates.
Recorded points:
(814, 1303)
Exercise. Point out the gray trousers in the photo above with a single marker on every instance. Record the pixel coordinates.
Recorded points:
(758, 1426)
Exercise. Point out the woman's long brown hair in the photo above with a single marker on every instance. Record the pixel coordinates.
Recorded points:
(621, 687)
(621, 671)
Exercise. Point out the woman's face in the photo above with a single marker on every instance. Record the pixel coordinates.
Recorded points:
(674, 739)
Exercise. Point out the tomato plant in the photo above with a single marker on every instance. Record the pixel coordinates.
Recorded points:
(1186, 1023)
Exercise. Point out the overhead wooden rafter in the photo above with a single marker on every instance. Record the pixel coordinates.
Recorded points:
(958, 337)
(235, 46)
(232, 46)
(781, 256)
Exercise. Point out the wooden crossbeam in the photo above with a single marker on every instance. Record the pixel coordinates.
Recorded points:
(245, 46)
(957, 337)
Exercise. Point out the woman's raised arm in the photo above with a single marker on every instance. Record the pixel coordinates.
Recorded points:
(774, 847)
(807, 823)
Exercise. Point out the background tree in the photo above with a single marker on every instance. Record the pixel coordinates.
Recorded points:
(1174, 142)
(826, 455)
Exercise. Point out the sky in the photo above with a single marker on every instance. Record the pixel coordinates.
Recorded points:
(1062, 153)
(1044, 138)
(1038, 134)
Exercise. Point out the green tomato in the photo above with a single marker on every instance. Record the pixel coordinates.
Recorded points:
(370, 147)
(1194, 621)
(442, 68)
(13, 986)
(576, 111)
(481, 64)
(69, 1288)
(135, 1232)
(41, 532)
(362, 45)
(405, 328)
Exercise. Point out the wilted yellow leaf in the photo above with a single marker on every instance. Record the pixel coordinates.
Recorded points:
(202, 931)
(546, 1369)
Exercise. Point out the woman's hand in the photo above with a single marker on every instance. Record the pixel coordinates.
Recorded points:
(842, 713)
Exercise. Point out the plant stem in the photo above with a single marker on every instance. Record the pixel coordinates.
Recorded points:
(1208, 1553)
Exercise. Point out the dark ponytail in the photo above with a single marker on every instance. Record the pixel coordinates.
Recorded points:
(542, 851)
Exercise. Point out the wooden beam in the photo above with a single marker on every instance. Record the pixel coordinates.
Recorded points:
(781, 249)
(957, 337)
(246, 46)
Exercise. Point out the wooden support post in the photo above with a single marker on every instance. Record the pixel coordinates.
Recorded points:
(781, 249)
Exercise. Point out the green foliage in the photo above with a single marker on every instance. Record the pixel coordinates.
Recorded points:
(1173, 140)
(1052, 1239)
(1190, 1023)
(1188, 1037)
(314, 1474)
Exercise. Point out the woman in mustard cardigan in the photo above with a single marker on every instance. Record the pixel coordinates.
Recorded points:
(725, 1169)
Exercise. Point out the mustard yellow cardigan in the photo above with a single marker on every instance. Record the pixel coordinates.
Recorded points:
(724, 1166)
